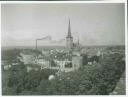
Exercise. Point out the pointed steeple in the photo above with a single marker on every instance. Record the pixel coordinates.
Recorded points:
(69, 38)
(69, 30)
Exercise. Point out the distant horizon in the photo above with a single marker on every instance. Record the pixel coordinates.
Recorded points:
(59, 45)
(92, 24)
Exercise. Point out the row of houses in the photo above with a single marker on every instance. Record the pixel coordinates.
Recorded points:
(65, 65)
(69, 62)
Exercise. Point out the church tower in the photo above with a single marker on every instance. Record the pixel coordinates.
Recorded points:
(69, 38)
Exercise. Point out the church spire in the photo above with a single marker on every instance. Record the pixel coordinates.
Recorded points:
(69, 30)
(69, 38)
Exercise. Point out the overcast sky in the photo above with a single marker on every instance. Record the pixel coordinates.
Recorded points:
(94, 24)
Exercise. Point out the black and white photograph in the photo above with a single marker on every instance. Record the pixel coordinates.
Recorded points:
(63, 49)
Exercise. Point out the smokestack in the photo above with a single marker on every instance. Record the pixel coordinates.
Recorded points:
(36, 44)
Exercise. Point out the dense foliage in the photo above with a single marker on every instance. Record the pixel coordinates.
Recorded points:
(96, 79)
(10, 55)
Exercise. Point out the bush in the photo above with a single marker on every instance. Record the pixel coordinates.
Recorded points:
(95, 79)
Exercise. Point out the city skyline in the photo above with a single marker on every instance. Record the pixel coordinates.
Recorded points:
(97, 24)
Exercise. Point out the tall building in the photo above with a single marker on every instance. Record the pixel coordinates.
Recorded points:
(69, 38)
